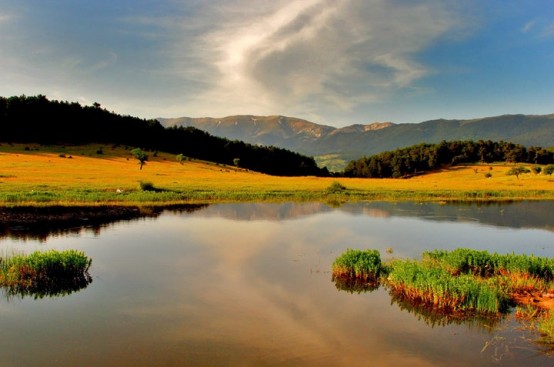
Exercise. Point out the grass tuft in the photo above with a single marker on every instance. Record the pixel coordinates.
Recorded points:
(364, 265)
(459, 282)
(147, 186)
(44, 273)
(336, 188)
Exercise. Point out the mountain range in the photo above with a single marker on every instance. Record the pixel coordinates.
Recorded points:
(355, 141)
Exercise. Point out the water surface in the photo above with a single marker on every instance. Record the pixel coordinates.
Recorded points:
(250, 284)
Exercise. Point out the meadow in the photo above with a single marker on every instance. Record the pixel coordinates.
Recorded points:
(32, 174)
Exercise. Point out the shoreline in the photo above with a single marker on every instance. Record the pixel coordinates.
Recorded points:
(164, 199)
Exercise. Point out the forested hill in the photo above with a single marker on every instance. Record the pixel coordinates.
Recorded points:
(38, 120)
(426, 157)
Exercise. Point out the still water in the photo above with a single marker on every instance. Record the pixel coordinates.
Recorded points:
(250, 285)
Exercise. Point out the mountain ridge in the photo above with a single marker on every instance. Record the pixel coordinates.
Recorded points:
(354, 141)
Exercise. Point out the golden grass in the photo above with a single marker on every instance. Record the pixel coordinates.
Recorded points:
(45, 170)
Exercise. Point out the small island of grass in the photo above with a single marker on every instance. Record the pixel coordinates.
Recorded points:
(44, 273)
(462, 282)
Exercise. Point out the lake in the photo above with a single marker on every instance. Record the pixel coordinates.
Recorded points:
(250, 285)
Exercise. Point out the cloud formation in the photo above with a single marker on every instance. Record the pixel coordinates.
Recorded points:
(313, 54)
(334, 62)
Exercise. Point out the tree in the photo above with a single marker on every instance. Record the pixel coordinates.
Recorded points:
(180, 158)
(140, 155)
(236, 162)
(516, 171)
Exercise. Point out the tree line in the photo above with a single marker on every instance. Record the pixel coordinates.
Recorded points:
(421, 158)
(35, 119)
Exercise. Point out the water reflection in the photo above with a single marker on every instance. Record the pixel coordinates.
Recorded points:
(423, 312)
(48, 287)
(434, 317)
(39, 223)
(354, 285)
(27, 223)
(520, 214)
(249, 284)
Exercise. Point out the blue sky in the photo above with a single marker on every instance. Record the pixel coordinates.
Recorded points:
(334, 62)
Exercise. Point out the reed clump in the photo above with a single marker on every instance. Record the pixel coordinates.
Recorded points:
(43, 273)
(459, 282)
(439, 288)
(484, 264)
(363, 265)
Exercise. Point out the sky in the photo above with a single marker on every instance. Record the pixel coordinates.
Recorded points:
(333, 62)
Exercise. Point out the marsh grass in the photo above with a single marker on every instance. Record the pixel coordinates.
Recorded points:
(545, 326)
(436, 287)
(363, 265)
(452, 285)
(484, 264)
(44, 273)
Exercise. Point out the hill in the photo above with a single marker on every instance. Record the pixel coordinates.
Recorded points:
(358, 140)
(420, 158)
(37, 120)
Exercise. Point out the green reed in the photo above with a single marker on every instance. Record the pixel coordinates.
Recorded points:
(468, 261)
(545, 326)
(41, 267)
(437, 287)
(359, 264)
(462, 280)
(451, 285)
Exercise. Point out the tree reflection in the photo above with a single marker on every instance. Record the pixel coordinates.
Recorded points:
(39, 223)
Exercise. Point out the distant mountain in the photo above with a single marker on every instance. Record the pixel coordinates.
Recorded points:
(354, 141)
(289, 132)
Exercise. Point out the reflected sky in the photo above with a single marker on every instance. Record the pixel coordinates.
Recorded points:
(211, 288)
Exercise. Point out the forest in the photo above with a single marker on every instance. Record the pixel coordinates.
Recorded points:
(423, 157)
(35, 119)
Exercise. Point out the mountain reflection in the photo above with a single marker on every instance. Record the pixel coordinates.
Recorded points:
(40, 223)
(521, 214)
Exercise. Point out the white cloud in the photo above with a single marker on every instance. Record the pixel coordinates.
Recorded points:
(264, 56)
(5, 17)
(539, 28)
(528, 26)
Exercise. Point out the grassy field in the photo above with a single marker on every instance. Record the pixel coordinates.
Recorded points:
(71, 175)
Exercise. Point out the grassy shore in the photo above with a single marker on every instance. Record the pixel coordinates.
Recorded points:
(95, 174)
